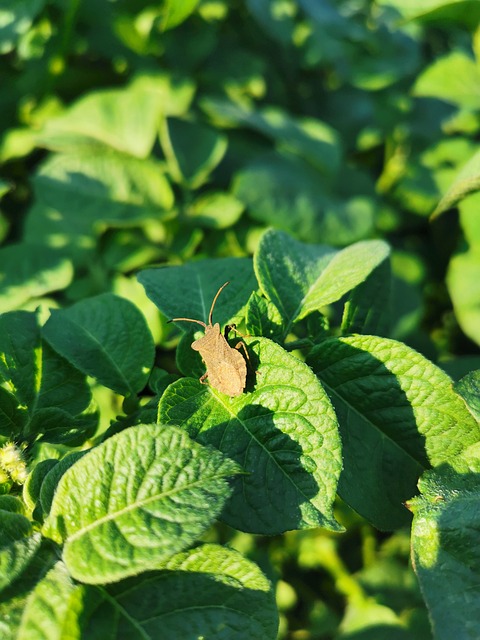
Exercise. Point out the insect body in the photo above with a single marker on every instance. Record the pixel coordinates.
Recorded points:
(226, 367)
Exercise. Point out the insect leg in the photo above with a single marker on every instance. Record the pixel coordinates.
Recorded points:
(242, 345)
(203, 378)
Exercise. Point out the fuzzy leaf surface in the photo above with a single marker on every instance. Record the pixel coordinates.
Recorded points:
(106, 337)
(53, 608)
(446, 558)
(210, 591)
(137, 498)
(469, 388)
(283, 433)
(17, 546)
(398, 415)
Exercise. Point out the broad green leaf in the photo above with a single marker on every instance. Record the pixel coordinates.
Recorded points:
(281, 430)
(59, 427)
(138, 498)
(16, 555)
(20, 348)
(207, 592)
(105, 337)
(398, 415)
(469, 388)
(188, 291)
(113, 186)
(30, 271)
(300, 278)
(263, 318)
(54, 608)
(368, 309)
(309, 138)
(79, 194)
(35, 375)
(466, 182)
(13, 416)
(124, 119)
(454, 78)
(52, 478)
(192, 150)
(445, 533)
(31, 488)
(17, 544)
(465, 11)
(175, 12)
(463, 282)
(286, 193)
(215, 210)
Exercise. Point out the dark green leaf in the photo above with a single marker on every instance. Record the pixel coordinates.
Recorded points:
(282, 431)
(210, 591)
(188, 291)
(398, 415)
(300, 278)
(106, 337)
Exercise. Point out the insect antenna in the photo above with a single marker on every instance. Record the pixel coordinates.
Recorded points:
(214, 301)
(188, 320)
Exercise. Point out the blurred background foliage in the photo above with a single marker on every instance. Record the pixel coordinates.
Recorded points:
(138, 133)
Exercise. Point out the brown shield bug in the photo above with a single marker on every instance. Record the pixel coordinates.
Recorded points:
(226, 367)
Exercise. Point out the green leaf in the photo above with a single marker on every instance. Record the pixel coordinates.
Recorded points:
(263, 318)
(398, 415)
(309, 138)
(13, 417)
(192, 150)
(53, 609)
(300, 278)
(124, 119)
(215, 210)
(467, 181)
(188, 291)
(141, 496)
(286, 193)
(175, 12)
(30, 271)
(283, 433)
(105, 186)
(35, 376)
(210, 592)
(52, 478)
(445, 550)
(31, 488)
(454, 78)
(78, 194)
(469, 388)
(368, 309)
(17, 544)
(463, 282)
(464, 11)
(106, 337)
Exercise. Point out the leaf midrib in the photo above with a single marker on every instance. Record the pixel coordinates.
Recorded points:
(139, 504)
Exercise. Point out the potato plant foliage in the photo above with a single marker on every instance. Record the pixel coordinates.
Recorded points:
(322, 157)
